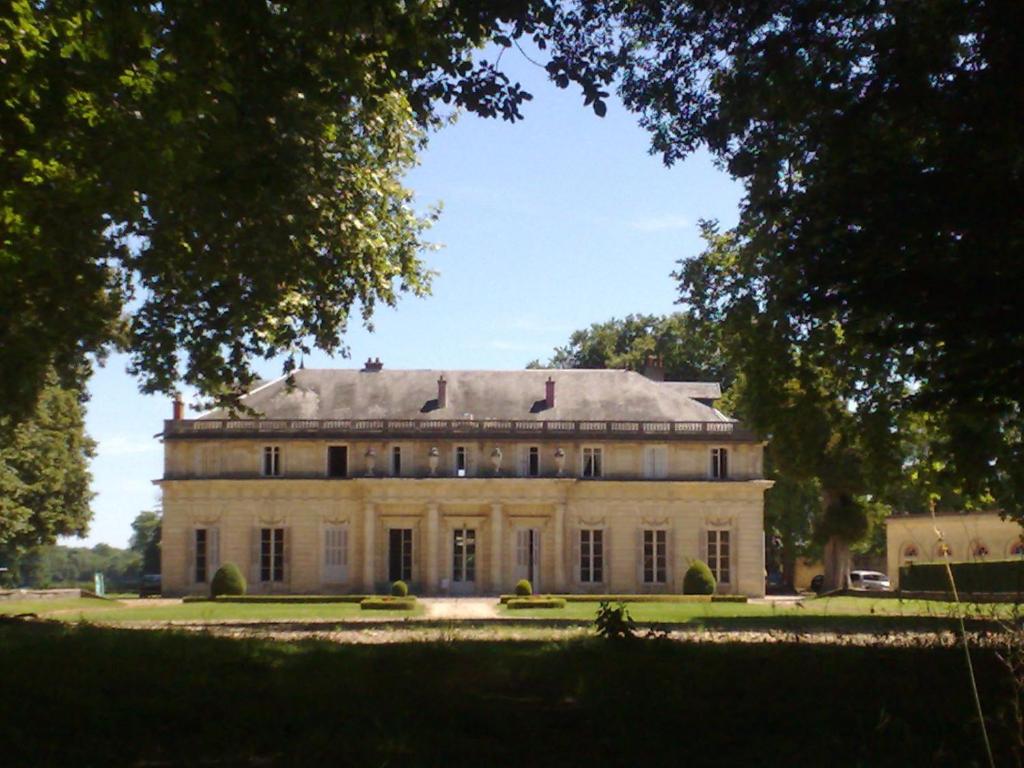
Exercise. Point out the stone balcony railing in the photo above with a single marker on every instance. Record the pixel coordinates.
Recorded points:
(397, 429)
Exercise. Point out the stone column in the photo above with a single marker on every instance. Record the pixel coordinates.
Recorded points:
(496, 530)
(560, 548)
(369, 529)
(433, 559)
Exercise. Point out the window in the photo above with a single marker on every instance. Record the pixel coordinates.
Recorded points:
(720, 556)
(591, 556)
(337, 461)
(400, 554)
(396, 461)
(656, 462)
(980, 550)
(942, 549)
(719, 463)
(1017, 549)
(655, 557)
(335, 554)
(271, 461)
(911, 552)
(591, 462)
(271, 554)
(533, 461)
(460, 461)
(205, 555)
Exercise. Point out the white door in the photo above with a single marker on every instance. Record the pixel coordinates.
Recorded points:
(528, 556)
(463, 561)
(335, 554)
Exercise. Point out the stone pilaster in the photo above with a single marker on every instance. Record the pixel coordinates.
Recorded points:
(369, 529)
(433, 563)
(560, 585)
(497, 523)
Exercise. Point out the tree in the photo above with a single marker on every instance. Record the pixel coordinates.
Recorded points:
(881, 149)
(44, 472)
(145, 540)
(688, 353)
(203, 184)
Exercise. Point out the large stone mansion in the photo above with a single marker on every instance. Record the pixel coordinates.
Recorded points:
(464, 482)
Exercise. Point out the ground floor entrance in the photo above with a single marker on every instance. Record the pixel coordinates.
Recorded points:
(463, 561)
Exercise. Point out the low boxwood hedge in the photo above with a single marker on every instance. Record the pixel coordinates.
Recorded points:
(276, 599)
(643, 598)
(388, 603)
(982, 576)
(521, 603)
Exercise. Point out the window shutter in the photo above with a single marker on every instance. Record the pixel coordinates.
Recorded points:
(287, 556)
(606, 557)
(190, 560)
(212, 551)
(640, 558)
(254, 563)
(670, 558)
(577, 556)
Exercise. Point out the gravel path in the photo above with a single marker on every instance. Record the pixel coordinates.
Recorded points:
(460, 607)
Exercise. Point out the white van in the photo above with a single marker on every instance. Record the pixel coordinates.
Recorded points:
(870, 580)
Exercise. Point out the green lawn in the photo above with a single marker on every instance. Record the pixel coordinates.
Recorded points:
(89, 695)
(128, 611)
(841, 613)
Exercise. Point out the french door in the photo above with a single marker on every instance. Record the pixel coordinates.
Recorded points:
(528, 556)
(463, 561)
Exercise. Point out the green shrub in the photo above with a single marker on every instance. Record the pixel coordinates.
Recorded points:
(613, 622)
(228, 580)
(985, 576)
(526, 603)
(524, 588)
(399, 589)
(698, 579)
(277, 599)
(388, 604)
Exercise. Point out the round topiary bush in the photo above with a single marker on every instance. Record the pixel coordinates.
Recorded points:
(524, 588)
(698, 579)
(228, 580)
(399, 589)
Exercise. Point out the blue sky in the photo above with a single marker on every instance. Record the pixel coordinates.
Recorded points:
(549, 225)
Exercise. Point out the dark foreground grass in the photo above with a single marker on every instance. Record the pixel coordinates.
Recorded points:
(84, 696)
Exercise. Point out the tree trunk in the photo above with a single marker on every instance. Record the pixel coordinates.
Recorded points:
(837, 564)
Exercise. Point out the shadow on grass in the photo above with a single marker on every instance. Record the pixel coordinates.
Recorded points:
(92, 695)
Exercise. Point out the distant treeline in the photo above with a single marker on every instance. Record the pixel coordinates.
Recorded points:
(60, 566)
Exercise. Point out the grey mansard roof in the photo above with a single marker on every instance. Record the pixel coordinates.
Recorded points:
(580, 395)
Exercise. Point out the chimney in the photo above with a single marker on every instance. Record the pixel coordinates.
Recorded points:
(442, 393)
(549, 393)
(372, 366)
(654, 369)
(179, 407)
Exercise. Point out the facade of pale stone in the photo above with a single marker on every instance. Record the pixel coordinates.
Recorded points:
(464, 482)
(966, 537)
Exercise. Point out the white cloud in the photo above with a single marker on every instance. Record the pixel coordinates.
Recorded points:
(659, 223)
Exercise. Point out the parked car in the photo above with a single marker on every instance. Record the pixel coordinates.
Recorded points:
(150, 585)
(870, 580)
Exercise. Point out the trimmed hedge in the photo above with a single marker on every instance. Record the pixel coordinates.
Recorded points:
(399, 589)
(983, 576)
(524, 588)
(276, 599)
(521, 603)
(673, 598)
(228, 580)
(698, 579)
(388, 604)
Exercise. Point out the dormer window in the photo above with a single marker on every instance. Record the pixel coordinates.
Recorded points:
(271, 461)
(592, 463)
(719, 464)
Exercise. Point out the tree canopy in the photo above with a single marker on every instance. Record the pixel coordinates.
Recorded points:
(205, 184)
(687, 353)
(44, 472)
(146, 534)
